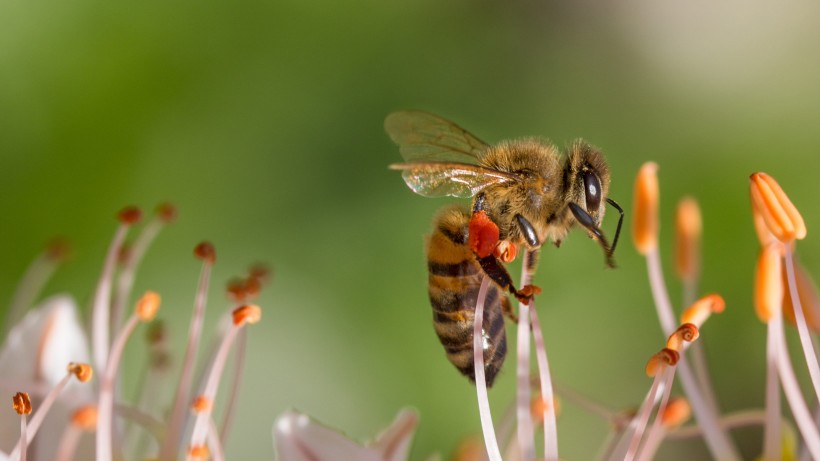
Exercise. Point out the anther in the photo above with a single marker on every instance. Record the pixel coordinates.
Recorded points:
(130, 215)
(249, 313)
(685, 333)
(85, 418)
(260, 272)
(206, 252)
(21, 403)
(778, 212)
(768, 282)
(663, 358)
(677, 412)
(688, 227)
(645, 221)
(58, 249)
(82, 371)
(201, 404)
(198, 452)
(147, 306)
(701, 309)
(166, 212)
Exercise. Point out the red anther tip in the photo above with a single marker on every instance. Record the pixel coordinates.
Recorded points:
(246, 314)
(21, 403)
(130, 215)
(167, 212)
(206, 252)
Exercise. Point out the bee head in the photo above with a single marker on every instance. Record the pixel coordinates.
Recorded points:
(586, 177)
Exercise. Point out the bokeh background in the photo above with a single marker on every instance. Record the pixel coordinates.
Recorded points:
(262, 121)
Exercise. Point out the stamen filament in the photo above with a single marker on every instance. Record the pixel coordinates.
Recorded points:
(771, 429)
(547, 394)
(493, 452)
(33, 281)
(525, 432)
(802, 327)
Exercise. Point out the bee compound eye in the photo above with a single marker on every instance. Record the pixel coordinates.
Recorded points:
(592, 190)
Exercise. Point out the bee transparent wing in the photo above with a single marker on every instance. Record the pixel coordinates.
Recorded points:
(439, 179)
(424, 137)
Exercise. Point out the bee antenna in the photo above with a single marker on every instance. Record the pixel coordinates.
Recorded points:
(620, 221)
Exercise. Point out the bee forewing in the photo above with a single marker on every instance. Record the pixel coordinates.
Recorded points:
(426, 137)
(449, 179)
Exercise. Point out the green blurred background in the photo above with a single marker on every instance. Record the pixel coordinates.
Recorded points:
(262, 121)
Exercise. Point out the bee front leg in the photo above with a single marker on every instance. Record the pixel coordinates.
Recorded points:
(493, 268)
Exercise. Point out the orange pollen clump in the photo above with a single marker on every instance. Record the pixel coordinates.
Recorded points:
(206, 252)
(198, 451)
(85, 417)
(148, 305)
(688, 228)
(82, 371)
(685, 333)
(201, 404)
(774, 206)
(21, 403)
(665, 357)
(701, 309)
(166, 212)
(249, 313)
(677, 412)
(130, 215)
(768, 294)
(645, 217)
(483, 234)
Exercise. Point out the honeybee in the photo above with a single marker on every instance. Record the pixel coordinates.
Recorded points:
(524, 194)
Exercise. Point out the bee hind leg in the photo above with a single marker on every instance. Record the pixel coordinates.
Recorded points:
(499, 274)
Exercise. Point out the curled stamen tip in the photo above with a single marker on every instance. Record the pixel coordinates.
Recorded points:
(701, 309)
(21, 403)
(148, 305)
(200, 404)
(663, 358)
(768, 295)
(206, 252)
(198, 451)
(249, 313)
(688, 227)
(166, 212)
(773, 205)
(685, 333)
(82, 371)
(85, 417)
(130, 215)
(645, 217)
(677, 412)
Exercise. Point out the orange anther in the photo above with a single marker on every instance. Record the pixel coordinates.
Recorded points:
(685, 333)
(130, 215)
(198, 451)
(82, 371)
(677, 412)
(768, 282)
(249, 313)
(206, 252)
(645, 217)
(774, 206)
(688, 227)
(148, 305)
(200, 404)
(658, 362)
(701, 309)
(21, 403)
(85, 417)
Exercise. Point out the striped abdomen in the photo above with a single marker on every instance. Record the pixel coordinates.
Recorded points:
(454, 281)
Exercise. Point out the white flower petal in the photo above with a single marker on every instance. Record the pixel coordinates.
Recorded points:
(299, 438)
(394, 442)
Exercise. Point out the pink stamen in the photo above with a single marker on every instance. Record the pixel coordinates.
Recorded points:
(33, 281)
(236, 384)
(800, 320)
(550, 424)
(493, 452)
(525, 432)
(771, 430)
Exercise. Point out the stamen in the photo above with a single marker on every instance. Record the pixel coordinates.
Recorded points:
(241, 316)
(170, 447)
(550, 412)
(677, 412)
(198, 452)
(490, 442)
(102, 297)
(148, 305)
(808, 294)
(662, 359)
(82, 371)
(85, 417)
(645, 218)
(201, 404)
(700, 311)
(688, 228)
(21, 403)
(686, 333)
(778, 212)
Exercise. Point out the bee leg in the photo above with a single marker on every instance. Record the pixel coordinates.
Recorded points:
(499, 274)
(506, 309)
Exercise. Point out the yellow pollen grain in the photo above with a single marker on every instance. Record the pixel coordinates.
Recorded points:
(645, 216)
(249, 313)
(768, 294)
(774, 206)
